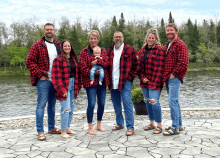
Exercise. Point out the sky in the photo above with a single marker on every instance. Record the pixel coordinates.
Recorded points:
(102, 10)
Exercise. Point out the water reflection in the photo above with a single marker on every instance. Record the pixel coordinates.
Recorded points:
(18, 97)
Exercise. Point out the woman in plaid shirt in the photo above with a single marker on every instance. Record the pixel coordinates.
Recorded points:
(152, 59)
(94, 90)
(67, 83)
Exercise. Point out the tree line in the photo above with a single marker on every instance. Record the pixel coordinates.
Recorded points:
(202, 40)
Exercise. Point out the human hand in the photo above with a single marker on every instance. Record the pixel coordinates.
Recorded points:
(94, 62)
(97, 72)
(145, 80)
(172, 76)
(65, 94)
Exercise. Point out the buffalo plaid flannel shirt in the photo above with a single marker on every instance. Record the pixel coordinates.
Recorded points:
(176, 61)
(85, 67)
(129, 65)
(38, 60)
(152, 69)
(60, 76)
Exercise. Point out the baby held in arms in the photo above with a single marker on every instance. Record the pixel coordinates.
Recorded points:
(97, 54)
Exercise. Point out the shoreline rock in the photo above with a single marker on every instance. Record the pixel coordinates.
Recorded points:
(27, 122)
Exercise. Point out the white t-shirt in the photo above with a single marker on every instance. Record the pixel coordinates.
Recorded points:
(52, 52)
(116, 66)
(168, 47)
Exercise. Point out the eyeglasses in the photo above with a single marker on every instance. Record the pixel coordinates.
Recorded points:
(118, 37)
(49, 29)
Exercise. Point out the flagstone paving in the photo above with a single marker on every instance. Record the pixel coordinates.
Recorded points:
(200, 139)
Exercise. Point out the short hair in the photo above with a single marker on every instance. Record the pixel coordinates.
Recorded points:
(47, 24)
(172, 25)
(155, 32)
(117, 32)
(94, 33)
(97, 48)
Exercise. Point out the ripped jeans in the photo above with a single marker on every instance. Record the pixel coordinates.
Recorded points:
(67, 106)
(154, 109)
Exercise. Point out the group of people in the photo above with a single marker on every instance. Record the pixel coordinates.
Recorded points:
(58, 74)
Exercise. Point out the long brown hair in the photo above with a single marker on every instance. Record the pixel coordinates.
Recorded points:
(72, 52)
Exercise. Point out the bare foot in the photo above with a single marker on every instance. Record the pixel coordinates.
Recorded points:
(65, 135)
(92, 132)
(68, 131)
(101, 129)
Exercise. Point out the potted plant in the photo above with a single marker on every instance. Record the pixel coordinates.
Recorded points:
(138, 101)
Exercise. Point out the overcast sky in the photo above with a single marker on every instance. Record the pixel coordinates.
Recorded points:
(102, 10)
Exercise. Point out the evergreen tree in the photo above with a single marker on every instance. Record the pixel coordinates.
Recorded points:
(196, 39)
(64, 31)
(189, 33)
(162, 32)
(106, 36)
(121, 26)
(113, 29)
(211, 34)
(170, 20)
(74, 40)
(114, 26)
(218, 34)
(204, 31)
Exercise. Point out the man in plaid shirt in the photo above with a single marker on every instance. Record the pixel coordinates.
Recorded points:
(39, 62)
(124, 66)
(176, 63)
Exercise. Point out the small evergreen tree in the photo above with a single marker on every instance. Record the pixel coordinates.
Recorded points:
(162, 32)
(170, 20)
(121, 26)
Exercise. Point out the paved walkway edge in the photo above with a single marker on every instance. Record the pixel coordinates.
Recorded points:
(109, 111)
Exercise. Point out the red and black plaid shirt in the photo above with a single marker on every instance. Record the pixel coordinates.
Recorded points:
(60, 76)
(38, 60)
(85, 67)
(176, 61)
(151, 68)
(129, 65)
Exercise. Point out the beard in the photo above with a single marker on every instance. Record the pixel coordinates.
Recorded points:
(171, 36)
(49, 35)
(118, 43)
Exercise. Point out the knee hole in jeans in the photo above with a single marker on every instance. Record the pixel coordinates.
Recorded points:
(153, 101)
(73, 100)
(67, 110)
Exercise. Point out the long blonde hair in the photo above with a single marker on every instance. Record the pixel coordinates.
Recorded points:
(155, 32)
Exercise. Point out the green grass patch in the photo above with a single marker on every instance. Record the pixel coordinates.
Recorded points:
(202, 65)
(13, 71)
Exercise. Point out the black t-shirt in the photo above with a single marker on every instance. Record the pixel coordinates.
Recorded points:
(90, 52)
(146, 52)
(72, 67)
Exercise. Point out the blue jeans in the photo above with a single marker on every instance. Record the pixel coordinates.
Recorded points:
(92, 92)
(125, 96)
(173, 89)
(93, 70)
(45, 94)
(154, 110)
(67, 106)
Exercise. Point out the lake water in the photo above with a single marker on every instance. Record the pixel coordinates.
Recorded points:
(18, 98)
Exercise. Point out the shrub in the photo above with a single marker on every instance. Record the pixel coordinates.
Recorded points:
(137, 95)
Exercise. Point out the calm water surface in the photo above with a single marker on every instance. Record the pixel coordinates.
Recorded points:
(18, 98)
